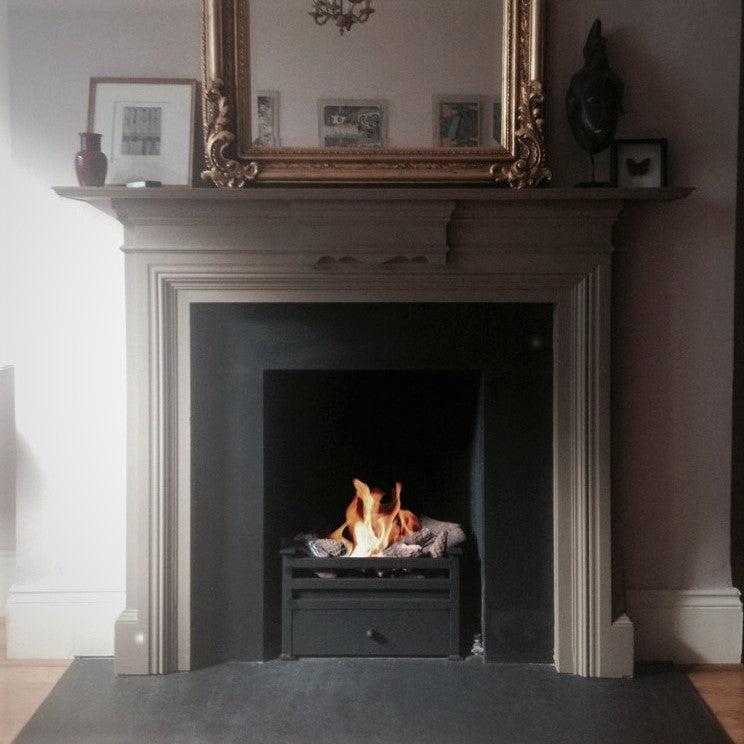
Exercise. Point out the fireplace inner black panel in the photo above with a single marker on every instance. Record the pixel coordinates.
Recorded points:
(290, 401)
(323, 427)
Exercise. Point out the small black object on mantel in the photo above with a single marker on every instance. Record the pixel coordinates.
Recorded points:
(594, 100)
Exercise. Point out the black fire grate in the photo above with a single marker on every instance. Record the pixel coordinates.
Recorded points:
(370, 606)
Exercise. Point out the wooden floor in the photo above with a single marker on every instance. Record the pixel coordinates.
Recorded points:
(23, 687)
(25, 684)
(722, 688)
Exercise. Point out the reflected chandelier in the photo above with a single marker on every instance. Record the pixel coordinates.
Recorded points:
(344, 13)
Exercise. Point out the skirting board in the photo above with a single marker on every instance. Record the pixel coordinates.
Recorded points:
(49, 623)
(7, 576)
(687, 626)
(690, 626)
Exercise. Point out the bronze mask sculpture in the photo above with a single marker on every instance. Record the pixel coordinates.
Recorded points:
(595, 97)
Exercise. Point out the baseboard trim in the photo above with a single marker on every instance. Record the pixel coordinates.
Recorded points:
(687, 626)
(51, 623)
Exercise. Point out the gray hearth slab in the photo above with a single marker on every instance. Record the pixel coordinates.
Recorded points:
(374, 701)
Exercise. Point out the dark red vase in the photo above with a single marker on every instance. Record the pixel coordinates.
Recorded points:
(90, 162)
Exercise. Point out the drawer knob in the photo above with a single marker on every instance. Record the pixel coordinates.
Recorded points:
(371, 633)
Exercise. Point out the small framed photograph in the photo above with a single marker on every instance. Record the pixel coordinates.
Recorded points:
(457, 121)
(267, 118)
(352, 123)
(638, 163)
(147, 128)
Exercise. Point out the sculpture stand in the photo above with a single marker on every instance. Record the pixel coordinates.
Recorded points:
(593, 184)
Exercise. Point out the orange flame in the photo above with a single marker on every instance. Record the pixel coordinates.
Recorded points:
(371, 525)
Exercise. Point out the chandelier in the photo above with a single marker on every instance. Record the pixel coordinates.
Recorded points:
(344, 13)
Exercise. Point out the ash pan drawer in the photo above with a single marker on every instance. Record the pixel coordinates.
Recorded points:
(356, 632)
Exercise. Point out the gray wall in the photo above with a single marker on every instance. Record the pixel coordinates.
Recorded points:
(673, 310)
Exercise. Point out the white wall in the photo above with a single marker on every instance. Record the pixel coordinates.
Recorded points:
(62, 280)
(7, 460)
(4, 85)
(7, 400)
(7, 393)
(7, 484)
(64, 326)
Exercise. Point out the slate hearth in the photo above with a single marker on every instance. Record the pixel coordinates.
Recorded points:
(375, 701)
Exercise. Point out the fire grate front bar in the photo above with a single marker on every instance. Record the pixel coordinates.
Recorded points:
(370, 606)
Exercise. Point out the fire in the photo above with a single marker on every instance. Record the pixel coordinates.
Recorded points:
(371, 525)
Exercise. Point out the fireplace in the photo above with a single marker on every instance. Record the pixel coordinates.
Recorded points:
(350, 246)
(453, 400)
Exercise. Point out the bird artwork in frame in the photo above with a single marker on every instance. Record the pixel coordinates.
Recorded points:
(639, 163)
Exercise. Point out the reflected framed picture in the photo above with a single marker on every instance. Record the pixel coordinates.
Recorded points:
(352, 123)
(496, 119)
(457, 121)
(267, 118)
(146, 127)
(638, 163)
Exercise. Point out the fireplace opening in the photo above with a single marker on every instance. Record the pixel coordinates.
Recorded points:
(291, 401)
(325, 428)
(417, 428)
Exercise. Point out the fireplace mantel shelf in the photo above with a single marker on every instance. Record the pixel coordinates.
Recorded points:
(368, 226)
(378, 244)
(106, 197)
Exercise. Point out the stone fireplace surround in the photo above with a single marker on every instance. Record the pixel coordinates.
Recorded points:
(372, 244)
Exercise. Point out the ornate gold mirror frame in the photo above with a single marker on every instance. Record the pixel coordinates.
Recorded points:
(233, 162)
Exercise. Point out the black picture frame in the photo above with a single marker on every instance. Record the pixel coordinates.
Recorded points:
(638, 163)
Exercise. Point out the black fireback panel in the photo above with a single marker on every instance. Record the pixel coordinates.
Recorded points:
(476, 377)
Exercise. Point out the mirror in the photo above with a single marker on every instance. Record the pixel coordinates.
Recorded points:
(435, 95)
(415, 58)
